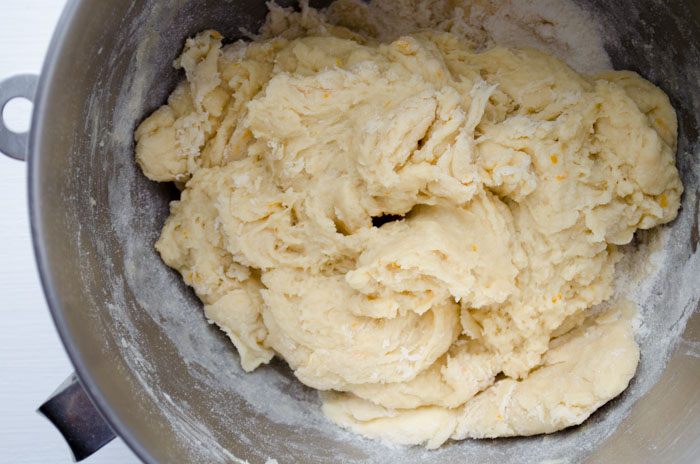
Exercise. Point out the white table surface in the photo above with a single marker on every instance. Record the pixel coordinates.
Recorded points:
(32, 359)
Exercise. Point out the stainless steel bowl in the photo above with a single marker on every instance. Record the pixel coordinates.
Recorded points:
(169, 383)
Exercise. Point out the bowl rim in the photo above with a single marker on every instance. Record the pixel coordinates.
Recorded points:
(38, 235)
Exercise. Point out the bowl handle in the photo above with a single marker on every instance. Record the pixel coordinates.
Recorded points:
(78, 420)
(13, 144)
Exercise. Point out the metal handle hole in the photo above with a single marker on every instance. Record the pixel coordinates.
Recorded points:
(17, 115)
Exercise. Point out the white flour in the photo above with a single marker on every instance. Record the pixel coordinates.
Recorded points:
(559, 27)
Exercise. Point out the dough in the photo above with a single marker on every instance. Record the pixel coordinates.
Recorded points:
(420, 229)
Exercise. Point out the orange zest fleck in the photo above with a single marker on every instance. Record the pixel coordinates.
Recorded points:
(474, 248)
(439, 74)
(190, 276)
(559, 296)
(396, 265)
(663, 201)
(325, 95)
(499, 416)
(554, 159)
(554, 300)
(354, 324)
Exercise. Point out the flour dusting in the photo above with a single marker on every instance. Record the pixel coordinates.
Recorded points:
(558, 27)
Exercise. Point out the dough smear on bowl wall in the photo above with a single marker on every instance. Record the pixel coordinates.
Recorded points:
(422, 223)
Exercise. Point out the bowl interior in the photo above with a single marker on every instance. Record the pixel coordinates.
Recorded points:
(171, 384)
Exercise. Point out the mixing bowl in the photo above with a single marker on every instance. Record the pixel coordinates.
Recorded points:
(170, 384)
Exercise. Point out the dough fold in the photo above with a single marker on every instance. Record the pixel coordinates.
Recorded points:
(572, 381)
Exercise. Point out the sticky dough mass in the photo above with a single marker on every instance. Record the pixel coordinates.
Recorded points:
(419, 229)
